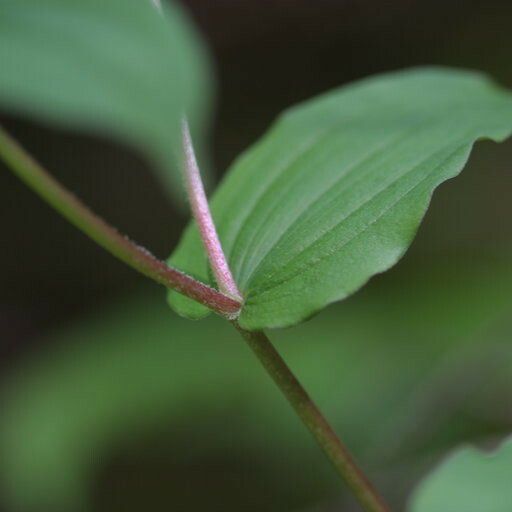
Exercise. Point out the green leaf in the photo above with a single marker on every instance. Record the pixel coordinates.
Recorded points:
(117, 67)
(336, 190)
(469, 481)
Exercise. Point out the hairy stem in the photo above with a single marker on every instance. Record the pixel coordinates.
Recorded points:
(311, 416)
(203, 217)
(70, 207)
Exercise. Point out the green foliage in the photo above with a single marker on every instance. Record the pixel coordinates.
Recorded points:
(469, 481)
(118, 67)
(331, 196)
(334, 193)
(133, 369)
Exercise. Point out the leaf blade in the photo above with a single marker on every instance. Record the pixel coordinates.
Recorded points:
(336, 190)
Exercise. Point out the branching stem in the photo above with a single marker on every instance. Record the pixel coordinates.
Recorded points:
(70, 207)
(292, 389)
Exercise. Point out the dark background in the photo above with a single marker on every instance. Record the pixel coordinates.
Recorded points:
(269, 55)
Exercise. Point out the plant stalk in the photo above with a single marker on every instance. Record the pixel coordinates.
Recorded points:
(204, 220)
(314, 420)
(70, 207)
(76, 212)
(307, 411)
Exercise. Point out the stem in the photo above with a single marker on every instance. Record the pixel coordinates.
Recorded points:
(305, 408)
(204, 220)
(70, 207)
(311, 416)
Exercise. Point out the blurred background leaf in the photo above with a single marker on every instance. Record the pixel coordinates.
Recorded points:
(118, 67)
(392, 369)
(468, 480)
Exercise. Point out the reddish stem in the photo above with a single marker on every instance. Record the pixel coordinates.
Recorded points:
(203, 217)
(76, 212)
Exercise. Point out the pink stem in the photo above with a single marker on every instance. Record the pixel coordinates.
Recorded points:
(204, 220)
(71, 208)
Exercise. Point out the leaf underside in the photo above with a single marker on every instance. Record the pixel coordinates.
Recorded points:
(471, 481)
(117, 67)
(336, 190)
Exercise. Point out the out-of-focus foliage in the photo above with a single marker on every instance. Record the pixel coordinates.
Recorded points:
(469, 481)
(334, 193)
(380, 366)
(119, 67)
